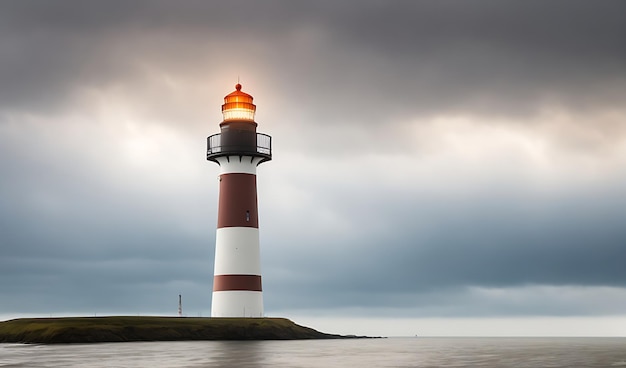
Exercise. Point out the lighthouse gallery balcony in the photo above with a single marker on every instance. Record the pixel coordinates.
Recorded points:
(239, 143)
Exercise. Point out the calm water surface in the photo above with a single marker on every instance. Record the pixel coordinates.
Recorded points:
(392, 352)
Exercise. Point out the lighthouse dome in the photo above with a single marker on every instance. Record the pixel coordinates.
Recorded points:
(238, 106)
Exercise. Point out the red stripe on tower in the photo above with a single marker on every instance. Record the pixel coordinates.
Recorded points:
(237, 282)
(238, 201)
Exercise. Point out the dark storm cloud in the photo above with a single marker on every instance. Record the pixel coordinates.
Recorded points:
(495, 56)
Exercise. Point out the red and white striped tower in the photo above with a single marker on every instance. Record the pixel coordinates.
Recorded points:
(238, 149)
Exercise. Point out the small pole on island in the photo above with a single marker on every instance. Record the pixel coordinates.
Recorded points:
(180, 305)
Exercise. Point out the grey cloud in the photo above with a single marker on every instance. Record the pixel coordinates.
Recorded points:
(492, 56)
(435, 244)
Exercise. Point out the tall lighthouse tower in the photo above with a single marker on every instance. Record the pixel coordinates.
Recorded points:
(238, 149)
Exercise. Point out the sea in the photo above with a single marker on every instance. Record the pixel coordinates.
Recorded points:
(387, 352)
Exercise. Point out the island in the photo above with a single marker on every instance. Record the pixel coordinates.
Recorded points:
(146, 328)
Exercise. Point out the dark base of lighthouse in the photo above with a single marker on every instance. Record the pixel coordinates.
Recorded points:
(129, 329)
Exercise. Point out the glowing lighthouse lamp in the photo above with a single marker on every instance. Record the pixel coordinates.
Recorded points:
(238, 149)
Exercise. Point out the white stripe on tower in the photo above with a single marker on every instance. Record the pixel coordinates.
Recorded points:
(237, 290)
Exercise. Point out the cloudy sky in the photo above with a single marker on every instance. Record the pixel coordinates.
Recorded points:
(440, 167)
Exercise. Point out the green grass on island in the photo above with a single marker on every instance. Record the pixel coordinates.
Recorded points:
(128, 328)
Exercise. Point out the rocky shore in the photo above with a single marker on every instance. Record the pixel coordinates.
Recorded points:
(128, 328)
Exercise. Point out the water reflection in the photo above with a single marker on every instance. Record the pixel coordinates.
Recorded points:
(393, 352)
(235, 354)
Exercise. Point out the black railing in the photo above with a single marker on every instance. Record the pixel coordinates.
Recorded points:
(264, 144)
(243, 143)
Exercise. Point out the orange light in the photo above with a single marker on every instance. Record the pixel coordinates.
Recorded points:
(238, 106)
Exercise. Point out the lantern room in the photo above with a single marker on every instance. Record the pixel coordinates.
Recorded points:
(238, 106)
(238, 135)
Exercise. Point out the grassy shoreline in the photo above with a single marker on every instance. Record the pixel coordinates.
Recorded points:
(129, 328)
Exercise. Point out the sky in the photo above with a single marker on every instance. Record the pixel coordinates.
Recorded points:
(439, 167)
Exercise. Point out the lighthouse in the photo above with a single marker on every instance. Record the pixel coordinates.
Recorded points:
(238, 149)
